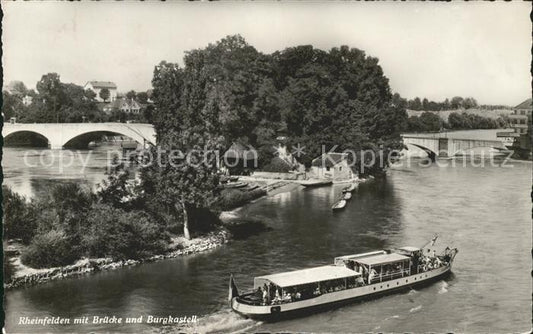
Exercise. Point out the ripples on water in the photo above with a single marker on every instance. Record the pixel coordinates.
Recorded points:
(485, 212)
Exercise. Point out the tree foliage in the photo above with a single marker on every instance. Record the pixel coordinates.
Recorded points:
(457, 102)
(55, 101)
(104, 94)
(19, 220)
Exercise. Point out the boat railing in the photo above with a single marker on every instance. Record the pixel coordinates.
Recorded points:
(390, 276)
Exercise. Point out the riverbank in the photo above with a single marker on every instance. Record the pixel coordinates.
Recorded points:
(25, 276)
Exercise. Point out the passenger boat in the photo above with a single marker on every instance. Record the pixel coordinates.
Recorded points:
(339, 205)
(349, 278)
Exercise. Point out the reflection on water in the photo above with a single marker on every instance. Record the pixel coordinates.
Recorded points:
(482, 211)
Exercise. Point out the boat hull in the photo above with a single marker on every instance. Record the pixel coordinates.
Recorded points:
(337, 299)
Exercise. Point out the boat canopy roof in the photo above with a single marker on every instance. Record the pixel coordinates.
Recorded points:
(382, 259)
(306, 276)
(409, 249)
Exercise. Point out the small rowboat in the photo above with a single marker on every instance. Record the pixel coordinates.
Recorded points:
(350, 188)
(235, 185)
(339, 205)
(347, 196)
(315, 183)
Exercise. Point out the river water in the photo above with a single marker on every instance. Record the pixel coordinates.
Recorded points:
(480, 208)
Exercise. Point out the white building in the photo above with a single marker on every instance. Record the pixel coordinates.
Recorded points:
(27, 100)
(97, 86)
(332, 166)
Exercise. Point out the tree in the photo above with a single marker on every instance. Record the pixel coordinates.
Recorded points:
(104, 94)
(415, 104)
(17, 88)
(430, 121)
(131, 95)
(456, 102)
(142, 97)
(425, 104)
(12, 105)
(397, 100)
(337, 99)
(469, 102)
(183, 184)
(59, 102)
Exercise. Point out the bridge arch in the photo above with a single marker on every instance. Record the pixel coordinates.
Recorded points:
(35, 138)
(431, 155)
(83, 140)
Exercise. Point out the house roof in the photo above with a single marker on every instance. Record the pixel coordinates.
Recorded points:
(328, 159)
(311, 275)
(103, 84)
(120, 103)
(130, 104)
(383, 259)
(527, 104)
(409, 249)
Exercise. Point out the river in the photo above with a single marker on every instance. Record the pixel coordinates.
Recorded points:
(485, 211)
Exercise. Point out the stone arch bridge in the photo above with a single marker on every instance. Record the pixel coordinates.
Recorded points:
(60, 134)
(439, 145)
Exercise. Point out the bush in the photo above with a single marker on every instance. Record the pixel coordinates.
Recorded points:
(121, 235)
(50, 249)
(9, 269)
(277, 165)
(18, 222)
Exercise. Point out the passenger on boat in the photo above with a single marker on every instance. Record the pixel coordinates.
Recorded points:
(265, 297)
(373, 273)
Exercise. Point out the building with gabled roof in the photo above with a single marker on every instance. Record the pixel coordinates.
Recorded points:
(97, 86)
(129, 106)
(526, 105)
(332, 166)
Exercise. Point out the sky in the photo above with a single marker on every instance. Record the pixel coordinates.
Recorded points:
(433, 50)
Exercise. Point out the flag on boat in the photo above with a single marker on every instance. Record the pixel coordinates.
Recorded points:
(433, 240)
(233, 291)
